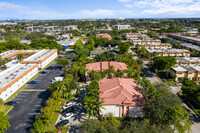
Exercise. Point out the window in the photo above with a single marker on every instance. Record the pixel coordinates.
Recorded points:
(127, 107)
(122, 107)
(122, 114)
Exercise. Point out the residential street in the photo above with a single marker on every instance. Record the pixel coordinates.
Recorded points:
(193, 117)
(29, 103)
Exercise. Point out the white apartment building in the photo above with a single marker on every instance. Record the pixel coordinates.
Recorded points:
(42, 58)
(121, 27)
(50, 28)
(15, 77)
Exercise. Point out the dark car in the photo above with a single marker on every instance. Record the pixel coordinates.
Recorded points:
(68, 110)
(33, 82)
(62, 123)
(10, 103)
(43, 72)
(50, 67)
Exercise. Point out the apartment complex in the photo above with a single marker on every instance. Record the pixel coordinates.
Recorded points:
(104, 35)
(191, 72)
(134, 36)
(191, 46)
(145, 41)
(188, 39)
(121, 27)
(170, 52)
(156, 46)
(121, 97)
(187, 61)
(17, 75)
(50, 28)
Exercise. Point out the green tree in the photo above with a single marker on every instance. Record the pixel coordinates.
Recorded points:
(162, 63)
(123, 47)
(110, 71)
(4, 124)
(64, 62)
(19, 57)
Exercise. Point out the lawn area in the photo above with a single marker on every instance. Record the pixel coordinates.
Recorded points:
(170, 82)
(51, 126)
(5, 109)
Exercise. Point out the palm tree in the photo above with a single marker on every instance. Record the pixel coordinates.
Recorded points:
(111, 69)
(64, 62)
(19, 57)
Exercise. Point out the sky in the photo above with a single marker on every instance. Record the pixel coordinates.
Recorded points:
(80, 9)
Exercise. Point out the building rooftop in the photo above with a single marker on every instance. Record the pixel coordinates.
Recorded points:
(104, 35)
(96, 52)
(155, 44)
(40, 56)
(103, 66)
(191, 46)
(12, 74)
(172, 50)
(67, 42)
(4, 54)
(188, 59)
(186, 68)
(191, 38)
(120, 91)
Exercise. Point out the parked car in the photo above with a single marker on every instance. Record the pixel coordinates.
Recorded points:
(43, 72)
(56, 79)
(62, 123)
(67, 105)
(33, 82)
(68, 110)
(66, 116)
(10, 103)
(50, 67)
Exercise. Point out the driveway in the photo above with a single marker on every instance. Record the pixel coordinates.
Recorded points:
(29, 103)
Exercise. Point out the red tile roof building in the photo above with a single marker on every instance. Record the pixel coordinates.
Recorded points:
(121, 97)
(103, 66)
(104, 35)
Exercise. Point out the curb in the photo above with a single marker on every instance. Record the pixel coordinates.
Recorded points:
(8, 111)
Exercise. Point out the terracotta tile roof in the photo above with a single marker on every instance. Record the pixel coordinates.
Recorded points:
(104, 35)
(120, 91)
(103, 66)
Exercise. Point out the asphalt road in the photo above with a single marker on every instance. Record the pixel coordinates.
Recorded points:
(29, 103)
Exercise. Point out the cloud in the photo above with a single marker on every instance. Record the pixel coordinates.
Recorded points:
(104, 12)
(124, 0)
(10, 6)
(129, 5)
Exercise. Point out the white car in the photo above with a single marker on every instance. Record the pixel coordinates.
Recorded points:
(67, 105)
(66, 116)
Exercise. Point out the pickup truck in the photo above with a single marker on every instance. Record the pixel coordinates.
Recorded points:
(56, 79)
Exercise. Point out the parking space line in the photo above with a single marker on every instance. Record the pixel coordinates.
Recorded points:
(34, 113)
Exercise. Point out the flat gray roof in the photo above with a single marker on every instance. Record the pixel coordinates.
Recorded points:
(4, 54)
(167, 50)
(40, 55)
(191, 38)
(12, 73)
(191, 46)
(155, 44)
(188, 59)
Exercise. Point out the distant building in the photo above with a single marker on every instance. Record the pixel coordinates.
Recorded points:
(121, 27)
(156, 46)
(191, 72)
(146, 41)
(135, 36)
(170, 52)
(188, 39)
(121, 97)
(104, 35)
(187, 61)
(94, 53)
(27, 42)
(7, 23)
(50, 28)
(68, 42)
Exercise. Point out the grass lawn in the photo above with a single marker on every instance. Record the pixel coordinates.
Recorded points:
(51, 126)
(197, 111)
(80, 36)
(5, 108)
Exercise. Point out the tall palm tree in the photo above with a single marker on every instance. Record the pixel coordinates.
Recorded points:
(19, 57)
(111, 69)
(64, 62)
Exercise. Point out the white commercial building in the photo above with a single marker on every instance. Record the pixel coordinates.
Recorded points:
(121, 27)
(15, 77)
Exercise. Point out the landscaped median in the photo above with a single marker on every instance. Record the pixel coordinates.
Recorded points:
(5, 109)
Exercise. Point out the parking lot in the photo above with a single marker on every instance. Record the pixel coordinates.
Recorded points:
(30, 102)
(78, 113)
